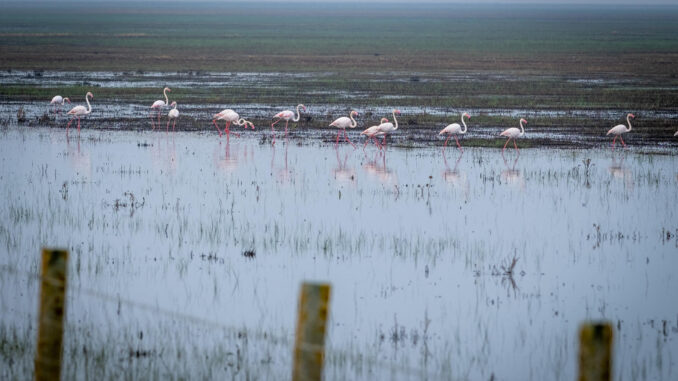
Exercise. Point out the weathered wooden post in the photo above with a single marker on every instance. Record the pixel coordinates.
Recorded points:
(595, 352)
(51, 318)
(309, 346)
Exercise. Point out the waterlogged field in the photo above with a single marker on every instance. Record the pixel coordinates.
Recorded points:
(187, 254)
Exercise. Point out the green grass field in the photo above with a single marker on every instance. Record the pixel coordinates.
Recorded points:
(273, 36)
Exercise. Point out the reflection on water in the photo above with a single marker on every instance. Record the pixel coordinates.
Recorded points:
(423, 280)
(343, 172)
(454, 176)
(375, 167)
(164, 153)
(620, 172)
(282, 172)
(223, 159)
(80, 160)
(511, 175)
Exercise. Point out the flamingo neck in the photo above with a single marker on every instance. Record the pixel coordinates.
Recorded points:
(395, 121)
(296, 119)
(164, 92)
(175, 106)
(464, 123)
(522, 129)
(353, 122)
(629, 122)
(89, 106)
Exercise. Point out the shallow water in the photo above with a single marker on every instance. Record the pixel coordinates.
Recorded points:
(414, 244)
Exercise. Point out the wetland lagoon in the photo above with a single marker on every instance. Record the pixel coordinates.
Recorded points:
(187, 253)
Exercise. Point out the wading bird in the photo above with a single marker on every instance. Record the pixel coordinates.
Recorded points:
(172, 115)
(230, 117)
(513, 133)
(286, 115)
(454, 129)
(370, 132)
(159, 105)
(59, 101)
(343, 123)
(388, 127)
(620, 129)
(79, 111)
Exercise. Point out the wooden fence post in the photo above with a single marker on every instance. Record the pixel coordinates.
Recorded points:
(51, 318)
(309, 346)
(595, 352)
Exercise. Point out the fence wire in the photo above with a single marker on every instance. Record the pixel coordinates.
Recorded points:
(354, 358)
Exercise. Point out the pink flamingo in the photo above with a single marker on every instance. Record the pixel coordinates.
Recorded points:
(230, 117)
(513, 133)
(620, 129)
(370, 132)
(343, 123)
(159, 105)
(79, 111)
(172, 115)
(388, 127)
(455, 129)
(287, 115)
(59, 101)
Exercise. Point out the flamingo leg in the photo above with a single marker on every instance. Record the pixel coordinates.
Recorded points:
(336, 142)
(458, 145)
(152, 124)
(215, 125)
(286, 123)
(446, 140)
(622, 140)
(614, 141)
(273, 132)
(376, 142)
(167, 127)
(174, 125)
(348, 140)
(366, 141)
(515, 145)
(69, 125)
(78, 126)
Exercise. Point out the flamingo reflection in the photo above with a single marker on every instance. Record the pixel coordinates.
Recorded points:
(81, 161)
(620, 172)
(511, 175)
(453, 176)
(343, 172)
(228, 163)
(282, 175)
(376, 168)
(164, 154)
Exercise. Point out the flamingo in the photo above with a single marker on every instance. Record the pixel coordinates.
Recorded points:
(620, 129)
(371, 131)
(343, 123)
(59, 101)
(676, 134)
(454, 129)
(79, 111)
(287, 115)
(230, 117)
(388, 127)
(173, 114)
(513, 133)
(159, 105)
